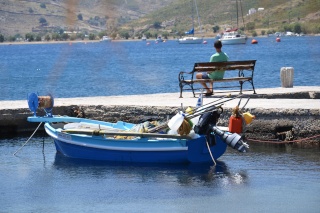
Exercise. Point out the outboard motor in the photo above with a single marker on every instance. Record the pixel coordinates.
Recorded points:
(207, 124)
(234, 140)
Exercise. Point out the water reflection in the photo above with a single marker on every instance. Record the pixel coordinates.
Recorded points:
(304, 151)
(183, 174)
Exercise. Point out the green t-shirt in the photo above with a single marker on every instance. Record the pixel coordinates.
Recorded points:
(218, 57)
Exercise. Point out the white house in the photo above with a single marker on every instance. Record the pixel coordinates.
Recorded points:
(252, 11)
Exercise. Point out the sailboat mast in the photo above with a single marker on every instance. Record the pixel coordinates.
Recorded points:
(192, 14)
(237, 14)
(195, 2)
(244, 25)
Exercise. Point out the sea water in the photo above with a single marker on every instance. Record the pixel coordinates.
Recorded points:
(87, 69)
(267, 179)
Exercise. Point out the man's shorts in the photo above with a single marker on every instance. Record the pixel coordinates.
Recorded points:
(205, 75)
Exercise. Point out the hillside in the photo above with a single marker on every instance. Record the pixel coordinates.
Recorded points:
(276, 15)
(140, 16)
(23, 16)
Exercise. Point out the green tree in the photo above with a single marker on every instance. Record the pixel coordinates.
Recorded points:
(47, 38)
(297, 28)
(102, 33)
(43, 21)
(157, 25)
(216, 28)
(65, 36)
(148, 35)
(73, 37)
(263, 32)
(270, 32)
(165, 35)
(1, 38)
(43, 5)
(56, 36)
(80, 17)
(29, 37)
(38, 38)
(254, 34)
(124, 34)
(81, 36)
(287, 27)
(12, 38)
(92, 36)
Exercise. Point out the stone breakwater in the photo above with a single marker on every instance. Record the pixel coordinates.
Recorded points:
(270, 124)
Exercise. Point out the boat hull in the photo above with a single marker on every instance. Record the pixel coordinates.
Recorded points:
(144, 150)
(190, 40)
(237, 40)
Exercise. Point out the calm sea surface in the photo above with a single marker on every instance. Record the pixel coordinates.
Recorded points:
(126, 68)
(267, 179)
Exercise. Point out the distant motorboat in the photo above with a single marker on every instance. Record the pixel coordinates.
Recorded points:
(144, 38)
(106, 38)
(233, 37)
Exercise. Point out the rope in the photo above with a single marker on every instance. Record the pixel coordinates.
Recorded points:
(214, 162)
(28, 139)
(283, 142)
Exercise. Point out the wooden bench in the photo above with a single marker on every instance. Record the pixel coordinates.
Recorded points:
(244, 69)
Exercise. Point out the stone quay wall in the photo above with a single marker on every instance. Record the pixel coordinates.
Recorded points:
(270, 124)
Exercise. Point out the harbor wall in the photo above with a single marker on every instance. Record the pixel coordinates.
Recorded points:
(270, 124)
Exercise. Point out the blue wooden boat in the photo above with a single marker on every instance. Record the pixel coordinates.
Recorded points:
(98, 140)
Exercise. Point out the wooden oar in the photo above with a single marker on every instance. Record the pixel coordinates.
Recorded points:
(136, 134)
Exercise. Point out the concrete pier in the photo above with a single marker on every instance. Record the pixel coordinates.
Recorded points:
(276, 109)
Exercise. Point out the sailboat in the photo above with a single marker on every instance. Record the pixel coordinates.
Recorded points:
(191, 39)
(233, 36)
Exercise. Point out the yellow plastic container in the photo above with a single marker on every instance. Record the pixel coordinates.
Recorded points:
(248, 117)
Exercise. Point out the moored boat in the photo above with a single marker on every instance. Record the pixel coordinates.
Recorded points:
(233, 37)
(106, 39)
(190, 38)
(126, 142)
(159, 39)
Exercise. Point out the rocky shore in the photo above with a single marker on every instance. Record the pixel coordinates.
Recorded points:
(281, 114)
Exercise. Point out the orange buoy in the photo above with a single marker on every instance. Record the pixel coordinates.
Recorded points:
(254, 41)
(278, 39)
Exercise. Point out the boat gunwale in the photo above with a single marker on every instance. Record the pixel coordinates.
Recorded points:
(67, 138)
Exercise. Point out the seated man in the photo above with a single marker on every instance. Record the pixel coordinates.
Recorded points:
(219, 56)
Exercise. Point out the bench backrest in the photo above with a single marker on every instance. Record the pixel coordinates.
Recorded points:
(227, 65)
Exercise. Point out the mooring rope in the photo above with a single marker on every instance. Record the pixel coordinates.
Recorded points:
(282, 142)
(28, 139)
(210, 153)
